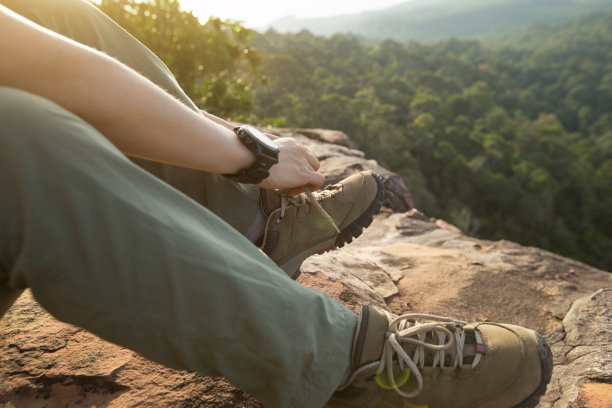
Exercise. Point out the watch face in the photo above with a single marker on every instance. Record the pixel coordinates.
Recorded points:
(265, 140)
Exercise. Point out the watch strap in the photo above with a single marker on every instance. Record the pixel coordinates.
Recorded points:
(260, 169)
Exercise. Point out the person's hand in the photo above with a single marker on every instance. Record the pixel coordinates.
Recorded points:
(297, 167)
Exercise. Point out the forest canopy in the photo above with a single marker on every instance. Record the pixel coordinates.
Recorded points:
(507, 140)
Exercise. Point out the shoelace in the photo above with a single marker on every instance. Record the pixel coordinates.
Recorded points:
(324, 213)
(299, 200)
(405, 329)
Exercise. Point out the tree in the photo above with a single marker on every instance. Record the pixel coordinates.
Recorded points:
(213, 62)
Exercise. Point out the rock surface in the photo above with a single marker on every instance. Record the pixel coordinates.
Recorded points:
(411, 265)
(404, 261)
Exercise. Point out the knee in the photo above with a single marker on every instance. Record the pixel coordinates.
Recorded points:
(22, 115)
(15, 103)
(65, 17)
(33, 128)
(41, 10)
(31, 121)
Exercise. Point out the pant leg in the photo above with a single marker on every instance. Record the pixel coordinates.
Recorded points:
(105, 245)
(83, 22)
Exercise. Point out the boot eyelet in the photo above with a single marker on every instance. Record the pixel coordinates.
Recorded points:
(279, 220)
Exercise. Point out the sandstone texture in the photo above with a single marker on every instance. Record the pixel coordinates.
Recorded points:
(405, 262)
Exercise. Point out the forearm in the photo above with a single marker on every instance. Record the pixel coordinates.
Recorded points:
(219, 121)
(138, 117)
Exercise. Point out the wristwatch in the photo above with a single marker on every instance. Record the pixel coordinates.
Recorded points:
(266, 155)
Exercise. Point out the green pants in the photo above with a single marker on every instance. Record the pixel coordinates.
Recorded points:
(107, 246)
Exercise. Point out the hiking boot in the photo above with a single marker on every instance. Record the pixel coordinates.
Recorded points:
(437, 362)
(310, 223)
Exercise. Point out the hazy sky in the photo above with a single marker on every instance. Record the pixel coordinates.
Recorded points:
(256, 13)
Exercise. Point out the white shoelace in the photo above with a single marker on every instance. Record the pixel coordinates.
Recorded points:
(406, 329)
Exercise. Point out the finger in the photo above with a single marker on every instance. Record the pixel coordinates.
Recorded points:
(316, 181)
(313, 161)
(294, 191)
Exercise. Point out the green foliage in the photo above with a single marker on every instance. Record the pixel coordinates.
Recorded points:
(507, 141)
(213, 62)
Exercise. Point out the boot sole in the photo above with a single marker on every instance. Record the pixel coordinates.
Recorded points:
(354, 229)
(346, 236)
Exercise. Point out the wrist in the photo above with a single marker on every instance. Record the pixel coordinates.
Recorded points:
(244, 157)
(264, 150)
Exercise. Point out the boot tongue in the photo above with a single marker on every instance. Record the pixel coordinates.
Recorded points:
(428, 357)
(269, 200)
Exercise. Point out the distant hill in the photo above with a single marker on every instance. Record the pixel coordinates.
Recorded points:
(431, 20)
